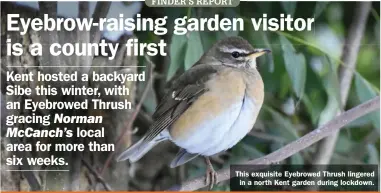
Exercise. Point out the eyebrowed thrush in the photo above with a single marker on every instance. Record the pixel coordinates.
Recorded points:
(210, 107)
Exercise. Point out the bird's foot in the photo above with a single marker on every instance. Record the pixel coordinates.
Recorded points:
(211, 174)
(211, 177)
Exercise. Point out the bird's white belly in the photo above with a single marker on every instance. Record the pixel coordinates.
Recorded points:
(224, 131)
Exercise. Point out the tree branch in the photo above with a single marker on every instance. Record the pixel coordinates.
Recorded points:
(75, 157)
(352, 46)
(349, 57)
(294, 147)
(50, 8)
(97, 176)
(29, 175)
(83, 37)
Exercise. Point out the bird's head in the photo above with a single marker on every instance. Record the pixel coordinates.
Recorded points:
(234, 52)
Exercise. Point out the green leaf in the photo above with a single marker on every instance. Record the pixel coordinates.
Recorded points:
(311, 109)
(194, 49)
(208, 39)
(275, 146)
(295, 65)
(289, 6)
(332, 87)
(375, 14)
(331, 81)
(372, 154)
(270, 57)
(243, 151)
(285, 85)
(319, 8)
(365, 92)
(329, 111)
(251, 151)
(310, 46)
(150, 102)
(297, 159)
(343, 144)
(287, 130)
(177, 53)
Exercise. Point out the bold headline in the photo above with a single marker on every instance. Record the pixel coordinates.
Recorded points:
(182, 25)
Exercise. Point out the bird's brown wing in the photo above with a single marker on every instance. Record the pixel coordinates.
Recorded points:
(179, 98)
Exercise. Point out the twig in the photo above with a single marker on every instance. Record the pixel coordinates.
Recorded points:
(266, 136)
(28, 174)
(349, 58)
(131, 120)
(100, 11)
(352, 46)
(83, 37)
(294, 147)
(75, 157)
(51, 37)
(97, 176)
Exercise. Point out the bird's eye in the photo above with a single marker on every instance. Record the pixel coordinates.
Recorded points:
(235, 55)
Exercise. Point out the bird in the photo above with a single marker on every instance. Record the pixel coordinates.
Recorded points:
(209, 108)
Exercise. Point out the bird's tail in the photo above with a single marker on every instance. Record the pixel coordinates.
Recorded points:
(139, 149)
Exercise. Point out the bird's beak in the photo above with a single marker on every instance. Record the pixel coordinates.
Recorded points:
(258, 52)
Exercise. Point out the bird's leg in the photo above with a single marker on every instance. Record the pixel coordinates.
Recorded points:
(211, 174)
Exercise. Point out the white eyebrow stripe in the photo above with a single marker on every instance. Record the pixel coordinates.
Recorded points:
(231, 50)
